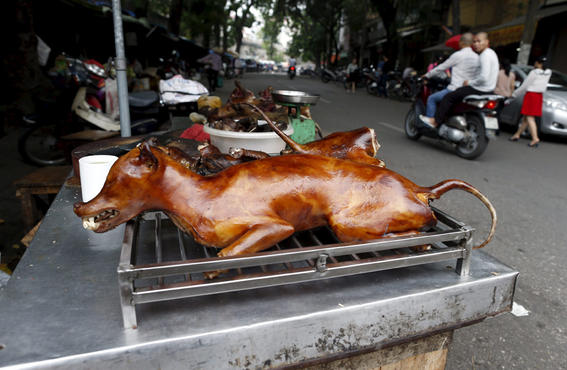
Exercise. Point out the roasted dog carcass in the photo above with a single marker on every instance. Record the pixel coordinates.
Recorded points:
(251, 206)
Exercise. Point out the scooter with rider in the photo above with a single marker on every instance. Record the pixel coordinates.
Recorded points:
(466, 115)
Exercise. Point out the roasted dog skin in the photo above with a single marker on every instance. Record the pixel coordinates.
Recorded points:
(251, 206)
(358, 145)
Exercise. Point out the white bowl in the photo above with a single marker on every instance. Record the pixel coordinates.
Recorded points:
(267, 142)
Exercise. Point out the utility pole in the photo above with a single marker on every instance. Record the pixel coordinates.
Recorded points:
(121, 78)
(529, 32)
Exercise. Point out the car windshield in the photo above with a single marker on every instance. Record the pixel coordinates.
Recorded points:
(558, 80)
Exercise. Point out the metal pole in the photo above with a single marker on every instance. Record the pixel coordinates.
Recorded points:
(121, 70)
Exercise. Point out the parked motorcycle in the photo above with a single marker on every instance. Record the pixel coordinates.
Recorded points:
(291, 72)
(328, 75)
(400, 88)
(83, 106)
(468, 126)
(372, 81)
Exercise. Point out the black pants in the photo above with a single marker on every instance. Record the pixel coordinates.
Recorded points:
(212, 75)
(453, 98)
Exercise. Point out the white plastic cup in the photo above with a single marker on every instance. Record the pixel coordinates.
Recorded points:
(93, 170)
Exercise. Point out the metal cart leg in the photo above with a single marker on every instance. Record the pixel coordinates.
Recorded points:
(125, 281)
(127, 303)
(464, 264)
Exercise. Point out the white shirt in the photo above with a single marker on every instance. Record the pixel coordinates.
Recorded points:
(292, 62)
(487, 77)
(536, 81)
(464, 63)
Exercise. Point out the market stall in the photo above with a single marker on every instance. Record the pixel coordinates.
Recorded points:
(62, 308)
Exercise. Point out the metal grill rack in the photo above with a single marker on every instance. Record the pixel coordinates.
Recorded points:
(158, 262)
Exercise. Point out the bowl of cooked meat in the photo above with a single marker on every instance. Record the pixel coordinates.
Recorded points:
(266, 141)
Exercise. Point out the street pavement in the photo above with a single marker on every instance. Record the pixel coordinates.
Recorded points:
(528, 188)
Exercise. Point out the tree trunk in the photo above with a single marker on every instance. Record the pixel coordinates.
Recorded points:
(387, 13)
(207, 38)
(224, 37)
(456, 14)
(238, 41)
(175, 16)
(217, 33)
(239, 26)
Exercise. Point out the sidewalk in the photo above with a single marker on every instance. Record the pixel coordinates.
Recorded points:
(12, 168)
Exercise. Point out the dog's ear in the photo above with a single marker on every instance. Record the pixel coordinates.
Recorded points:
(146, 156)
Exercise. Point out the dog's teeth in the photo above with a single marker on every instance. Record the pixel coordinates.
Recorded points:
(85, 224)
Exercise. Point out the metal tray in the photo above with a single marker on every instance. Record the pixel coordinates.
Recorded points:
(294, 97)
(158, 262)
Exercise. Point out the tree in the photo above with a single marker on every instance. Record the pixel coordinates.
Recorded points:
(241, 16)
(388, 14)
(175, 12)
(315, 25)
(270, 33)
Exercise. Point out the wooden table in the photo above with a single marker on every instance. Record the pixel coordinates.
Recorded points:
(46, 180)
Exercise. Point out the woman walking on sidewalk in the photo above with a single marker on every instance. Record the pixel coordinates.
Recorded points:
(534, 86)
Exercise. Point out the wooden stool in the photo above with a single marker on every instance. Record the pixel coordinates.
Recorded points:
(46, 180)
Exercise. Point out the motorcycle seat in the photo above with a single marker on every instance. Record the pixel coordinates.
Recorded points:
(483, 97)
(142, 98)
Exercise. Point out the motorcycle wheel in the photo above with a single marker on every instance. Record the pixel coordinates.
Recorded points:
(371, 90)
(41, 146)
(409, 125)
(475, 144)
(325, 78)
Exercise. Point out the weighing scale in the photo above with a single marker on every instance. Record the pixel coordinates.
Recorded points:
(304, 129)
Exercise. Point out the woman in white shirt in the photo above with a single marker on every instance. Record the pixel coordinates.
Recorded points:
(534, 86)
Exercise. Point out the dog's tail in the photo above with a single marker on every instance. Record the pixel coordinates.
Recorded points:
(296, 147)
(435, 191)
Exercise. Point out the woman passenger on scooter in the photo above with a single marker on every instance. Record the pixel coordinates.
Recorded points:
(534, 85)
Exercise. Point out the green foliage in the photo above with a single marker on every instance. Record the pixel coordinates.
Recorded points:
(199, 16)
(316, 24)
(270, 33)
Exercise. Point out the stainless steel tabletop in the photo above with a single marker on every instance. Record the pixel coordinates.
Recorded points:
(61, 308)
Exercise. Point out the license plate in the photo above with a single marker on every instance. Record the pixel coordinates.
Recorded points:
(491, 123)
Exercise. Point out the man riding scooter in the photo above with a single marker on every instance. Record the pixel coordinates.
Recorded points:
(483, 84)
(464, 66)
(291, 69)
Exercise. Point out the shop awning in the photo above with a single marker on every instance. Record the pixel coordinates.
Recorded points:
(509, 32)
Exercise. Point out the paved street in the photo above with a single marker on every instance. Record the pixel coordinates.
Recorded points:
(528, 188)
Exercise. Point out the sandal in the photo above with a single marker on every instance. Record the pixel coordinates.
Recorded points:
(511, 138)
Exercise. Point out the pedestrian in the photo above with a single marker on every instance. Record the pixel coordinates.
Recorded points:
(534, 86)
(464, 63)
(214, 61)
(505, 84)
(352, 75)
(385, 66)
(483, 83)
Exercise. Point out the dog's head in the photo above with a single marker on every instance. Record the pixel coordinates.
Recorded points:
(128, 190)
